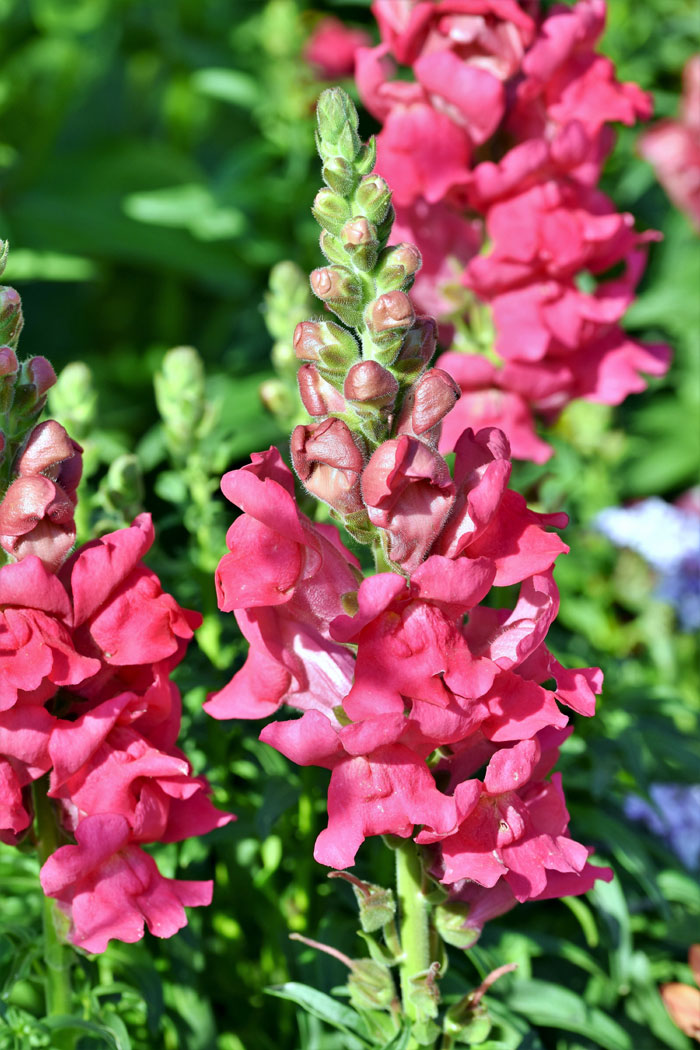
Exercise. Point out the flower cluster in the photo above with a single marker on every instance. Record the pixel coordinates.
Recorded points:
(86, 696)
(88, 714)
(673, 147)
(494, 149)
(428, 706)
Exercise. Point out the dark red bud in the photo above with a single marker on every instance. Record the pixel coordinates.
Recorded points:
(391, 310)
(434, 395)
(367, 381)
(9, 364)
(307, 341)
(41, 374)
(46, 447)
(419, 344)
(318, 396)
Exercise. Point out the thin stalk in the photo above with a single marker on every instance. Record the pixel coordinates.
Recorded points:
(414, 912)
(57, 955)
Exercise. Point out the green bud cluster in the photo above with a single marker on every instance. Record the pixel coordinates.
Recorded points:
(365, 283)
(179, 391)
(287, 302)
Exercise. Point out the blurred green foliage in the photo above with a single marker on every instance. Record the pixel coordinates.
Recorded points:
(156, 160)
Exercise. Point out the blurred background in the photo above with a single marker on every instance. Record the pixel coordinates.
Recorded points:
(156, 161)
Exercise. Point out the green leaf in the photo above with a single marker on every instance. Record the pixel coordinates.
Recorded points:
(552, 1006)
(227, 85)
(171, 486)
(400, 1041)
(63, 1022)
(320, 1005)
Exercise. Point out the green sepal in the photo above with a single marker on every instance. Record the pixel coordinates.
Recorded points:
(330, 210)
(450, 920)
(332, 248)
(379, 952)
(371, 985)
(340, 176)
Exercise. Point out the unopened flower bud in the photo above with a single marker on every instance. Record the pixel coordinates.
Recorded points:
(121, 490)
(340, 288)
(369, 383)
(179, 390)
(398, 267)
(417, 349)
(8, 373)
(45, 450)
(42, 375)
(339, 174)
(318, 396)
(34, 382)
(371, 985)
(334, 283)
(330, 210)
(337, 125)
(333, 348)
(373, 198)
(390, 312)
(406, 256)
(332, 248)
(451, 920)
(329, 462)
(277, 399)
(11, 319)
(430, 399)
(359, 239)
(9, 364)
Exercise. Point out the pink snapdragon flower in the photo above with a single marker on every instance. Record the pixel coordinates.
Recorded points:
(331, 48)
(284, 579)
(110, 888)
(86, 696)
(673, 147)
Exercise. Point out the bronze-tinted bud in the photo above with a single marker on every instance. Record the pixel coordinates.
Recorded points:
(391, 311)
(369, 383)
(318, 396)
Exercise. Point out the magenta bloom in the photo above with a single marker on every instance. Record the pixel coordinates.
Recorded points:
(105, 636)
(284, 579)
(111, 888)
(331, 48)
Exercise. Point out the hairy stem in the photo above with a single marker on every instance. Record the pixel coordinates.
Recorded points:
(414, 913)
(57, 955)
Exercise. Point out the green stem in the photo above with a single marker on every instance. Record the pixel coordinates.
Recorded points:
(414, 913)
(57, 955)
